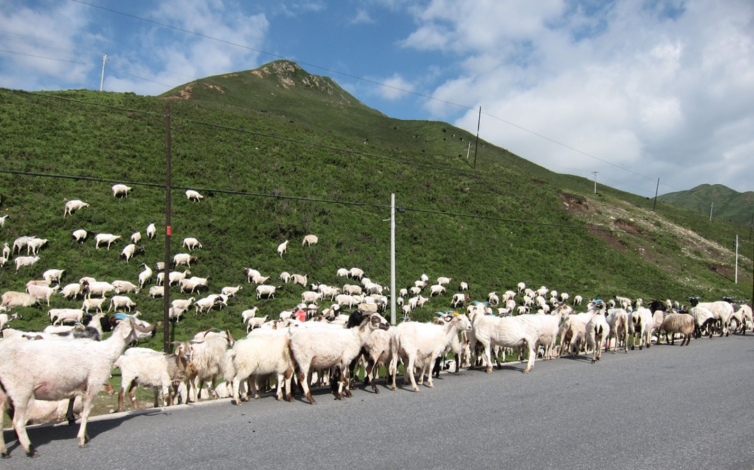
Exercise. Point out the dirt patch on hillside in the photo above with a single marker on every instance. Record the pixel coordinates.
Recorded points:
(628, 226)
(725, 271)
(230, 75)
(214, 87)
(575, 205)
(608, 237)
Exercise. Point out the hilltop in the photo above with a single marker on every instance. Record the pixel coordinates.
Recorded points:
(279, 153)
(728, 203)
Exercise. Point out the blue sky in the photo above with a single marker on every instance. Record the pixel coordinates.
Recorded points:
(634, 89)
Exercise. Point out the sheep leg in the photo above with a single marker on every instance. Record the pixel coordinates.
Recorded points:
(91, 394)
(302, 380)
(410, 371)
(132, 395)
(288, 377)
(69, 412)
(19, 424)
(488, 357)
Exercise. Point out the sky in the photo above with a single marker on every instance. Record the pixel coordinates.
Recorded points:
(635, 90)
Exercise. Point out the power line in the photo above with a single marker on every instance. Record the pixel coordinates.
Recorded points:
(41, 57)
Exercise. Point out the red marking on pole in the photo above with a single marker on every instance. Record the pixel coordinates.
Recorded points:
(169, 230)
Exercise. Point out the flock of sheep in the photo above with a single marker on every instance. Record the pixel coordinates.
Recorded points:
(47, 370)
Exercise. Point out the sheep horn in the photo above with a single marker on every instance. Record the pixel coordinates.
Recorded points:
(142, 329)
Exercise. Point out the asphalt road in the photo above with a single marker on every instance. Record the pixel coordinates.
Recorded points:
(663, 407)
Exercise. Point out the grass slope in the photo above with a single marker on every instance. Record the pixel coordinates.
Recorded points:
(728, 203)
(531, 225)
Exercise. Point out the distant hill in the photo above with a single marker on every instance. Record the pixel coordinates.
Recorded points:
(728, 203)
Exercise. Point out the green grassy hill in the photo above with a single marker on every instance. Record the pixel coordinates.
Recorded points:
(279, 154)
(728, 203)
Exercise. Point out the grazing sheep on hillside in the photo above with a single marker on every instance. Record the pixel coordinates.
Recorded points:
(131, 250)
(121, 190)
(151, 231)
(105, 238)
(73, 206)
(282, 248)
(25, 261)
(135, 237)
(193, 195)
(310, 240)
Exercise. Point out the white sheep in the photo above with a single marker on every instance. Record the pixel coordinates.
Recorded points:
(190, 243)
(73, 206)
(444, 281)
(121, 301)
(260, 279)
(193, 195)
(25, 261)
(493, 299)
(507, 332)
(176, 277)
(190, 285)
(184, 258)
(63, 315)
(267, 291)
(207, 361)
(52, 370)
(108, 238)
(3, 260)
(641, 323)
(121, 287)
(5, 318)
(356, 273)
(151, 231)
(99, 288)
(521, 286)
(323, 348)
(250, 313)
(145, 275)
(285, 277)
(282, 248)
(6, 251)
(230, 291)
(2, 220)
(597, 331)
(135, 237)
(300, 279)
(156, 291)
(578, 300)
(121, 190)
(131, 250)
(53, 275)
(80, 235)
(251, 274)
(463, 286)
(343, 272)
(33, 245)
(182, 303)
(617, 318)
(436, 290)
(310, 240)
(253, 322)
(257, 356)
(43, 292)
(71, 291)
(95, 303)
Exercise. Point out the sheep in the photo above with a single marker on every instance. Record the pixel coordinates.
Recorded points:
(253, 322)
(99, 288)
(323, 348)
(282, 248)
(63, 315)
(122, 287)
(108, 238)
(3, 260)
(508, 332)
(267, 291)
(343, 272)
(155, 369)
(356, 273)
(257, 356)
(260, 279)
(175, 277)
(80, 235)
(6, 250)
(207, 361)
(617, 318)
(443, 280)
(145, 275)
(2, 220)
(578, 300)
(641, 323)
(230, 291)
(310, 240)
(493, 299)
(53, 275)
(721, 310)
(682, 323)
(121, 190)
(131, 250)
(251, 313)
(182, 303)
(310, 296)
(521, 286)
(121, 301)
(43, 292)
(422, 342)
(459, 299)
(285, 277)
(463, 286)
(12, 299)
(184, 258)
(175, 313)
(20, 243)
(191, 243)
(5, 318)
(54, 370)
(95, 303)
(207, 303)
(703, 319)
(191, 285)
(73, 206)
(25, 261)
(300, 279)
(436, 290)
(151, 231)
(194, 196)
(33, 245)
(156, 291)
(597, 330)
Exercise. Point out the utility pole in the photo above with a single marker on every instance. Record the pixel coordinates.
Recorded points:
(468, 151)
(393, 292)
(710, 211)
(478, 125)
(751, 227)
(168, 232)
(656, 192)
(595, 181)
(102, 80)
(736, 258)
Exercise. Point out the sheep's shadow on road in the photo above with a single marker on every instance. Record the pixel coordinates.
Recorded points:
(45, 434)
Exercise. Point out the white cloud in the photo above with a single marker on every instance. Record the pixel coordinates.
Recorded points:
(393, 88)
(362, 17)
(662, 91)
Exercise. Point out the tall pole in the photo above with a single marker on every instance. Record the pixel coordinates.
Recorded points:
(736, 258)
(478, 125)
(168, 231)
(393, 292)
(751, 227)
(656, 192)
(595, 181)
(102, 80)
(711, 207)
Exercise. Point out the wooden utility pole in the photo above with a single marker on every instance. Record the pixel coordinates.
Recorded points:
(654, 206)
(478, 125)
(168, 230)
